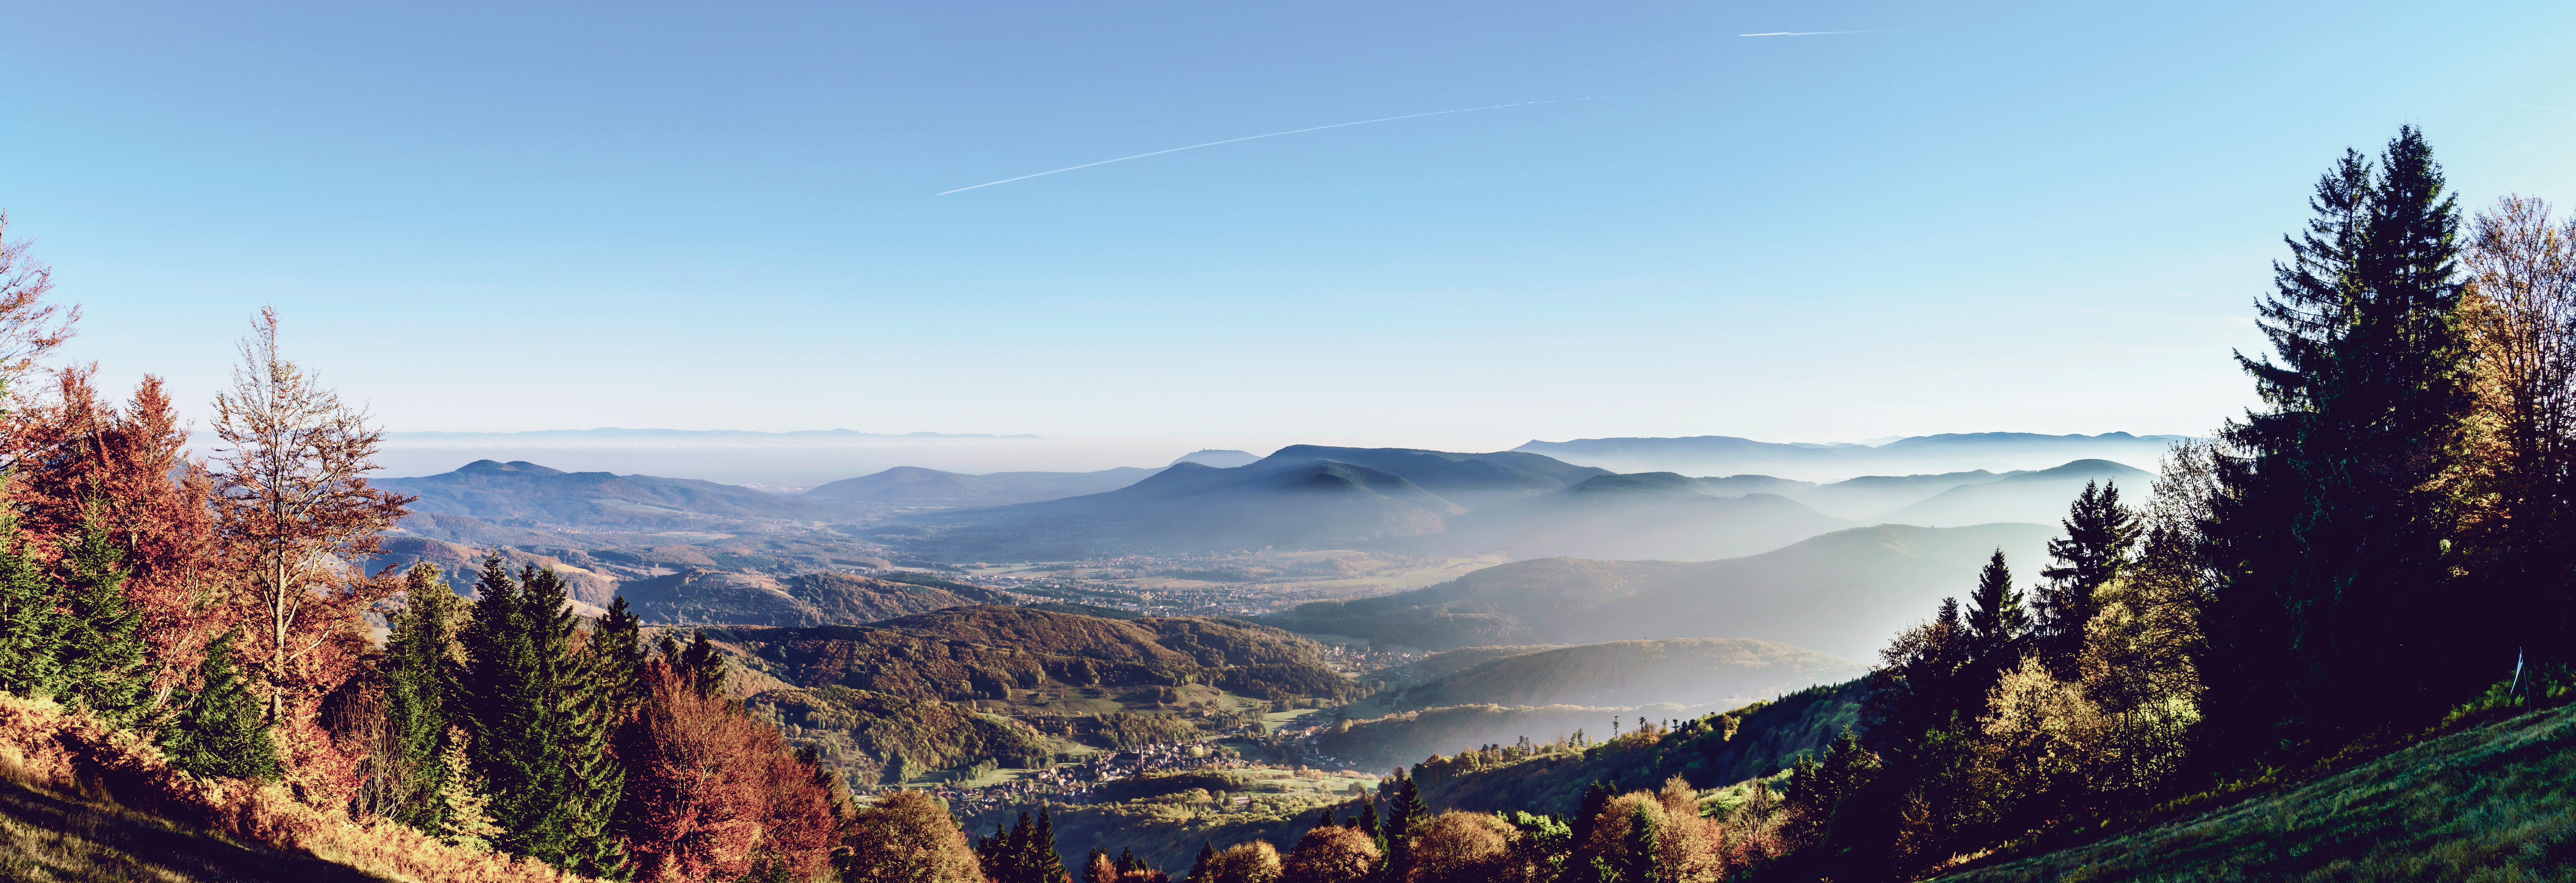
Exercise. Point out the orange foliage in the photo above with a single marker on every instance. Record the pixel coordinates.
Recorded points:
(1462, 847)
(74, 755)
(907, 837)
(1331, 854)
(716, 791)
(72, 455)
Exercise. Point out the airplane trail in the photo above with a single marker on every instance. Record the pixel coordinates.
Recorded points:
(1803, 33)
(1254, 137)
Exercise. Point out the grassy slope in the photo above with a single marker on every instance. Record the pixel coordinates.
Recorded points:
(2493, 803)
(44, 837)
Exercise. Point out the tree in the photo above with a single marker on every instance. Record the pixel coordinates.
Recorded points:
(101, 663)
(1404, 814)
(714, 792)
(2099, 536)
(1461, 847)
(2332, 540)
(31, 627)
(540, 726)
(2522, 319)
(29, 327)
(218, 730)
(907, 837)
(293, 503)
(419, 668)
(1254, 862)
(79, 466)
(1996, 621)
(1331, 855)
(1199, 868)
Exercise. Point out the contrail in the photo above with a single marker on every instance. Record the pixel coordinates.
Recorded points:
(1252, 137)
(1803, 33)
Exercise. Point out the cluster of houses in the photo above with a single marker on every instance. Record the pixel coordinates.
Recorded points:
(1073, 783)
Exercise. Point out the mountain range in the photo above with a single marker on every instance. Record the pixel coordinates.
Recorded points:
(1686, 671)
(1728, 455)
(1842, 593)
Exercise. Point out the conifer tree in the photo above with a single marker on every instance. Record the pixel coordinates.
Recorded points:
(2100, 533)
(419, 673)
(31, 628)
(540, 723)
(1638, 864)
(1199, 868)
(2331, 614)
(1404, 814)
(1996, 620)
(219, 730)
(1596, 797)
(102, 661)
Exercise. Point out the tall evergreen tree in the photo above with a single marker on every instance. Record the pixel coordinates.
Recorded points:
(219, 730)
(1996, 620)
(102, 666)
(2330, 613)
(420, 672)
(31, 627)
(2100, 534)
(1637, 863)
(540, 727)
(1199, 868)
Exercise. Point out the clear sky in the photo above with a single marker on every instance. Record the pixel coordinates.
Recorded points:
(2043, 217)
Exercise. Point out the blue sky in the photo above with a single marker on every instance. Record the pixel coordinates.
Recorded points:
(1966, 217)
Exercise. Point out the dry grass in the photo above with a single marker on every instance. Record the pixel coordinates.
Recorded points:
(79, 801)
(2495, 803)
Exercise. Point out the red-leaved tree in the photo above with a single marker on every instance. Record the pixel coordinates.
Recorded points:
(713, 793)
(72, 457)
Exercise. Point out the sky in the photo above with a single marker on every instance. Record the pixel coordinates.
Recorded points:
(1936, 218)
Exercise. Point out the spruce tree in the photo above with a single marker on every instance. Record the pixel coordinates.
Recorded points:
(103, 664)
(1638, 862)
(1996, 620)
(540, 723)
(704, 665)
(1405, 814)
(419, 672)
(1596, 797)
(1043, 863)
(1199, 869)
(31, 628)
(219, 730)
(2099, 536)
(2331, 612)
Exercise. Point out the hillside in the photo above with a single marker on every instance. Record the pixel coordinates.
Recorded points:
(1726, 455)
(1870, 496)
(1653, 515)
(699, 596)
(1842, 594)
(2496, 802)
(2031, 496)
(520, 492)
(1685, 671)
(915, 486)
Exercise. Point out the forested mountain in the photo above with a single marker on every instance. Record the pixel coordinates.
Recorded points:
(712, 597)
(1653, 515)
(519, 492)
(1725, 455)
(1870, 496)
(915, 486)
(1684, 671)
(1841, 593)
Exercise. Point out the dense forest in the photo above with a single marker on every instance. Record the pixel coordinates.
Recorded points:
(2374, 557)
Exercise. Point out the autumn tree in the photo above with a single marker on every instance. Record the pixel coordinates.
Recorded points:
(294, 507)
(29, 327)
(1332, 854)
(2521, 316)
(1461, 847)
(1254, 862)
(714, 793)
(907, 837)
(79, 465)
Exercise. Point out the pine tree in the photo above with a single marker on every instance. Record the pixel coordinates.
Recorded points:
(419, 672)
(1368, 823)
(1596, 797)
(706, 666)
(1638, 864)
(219, 730)
(1199, 869)
(1404, 815)
(1996, 621)
(31, 628)
(620, 648)
(540, 723)
(2099, 536)
(2331, 614)
(1042, 863)
(589, 707)
(103, 666)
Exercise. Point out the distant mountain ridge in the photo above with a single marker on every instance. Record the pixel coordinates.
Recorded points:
(1728, 455)
(1841, 593)
(916, 486)
(1684, 671)
(520, 492)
